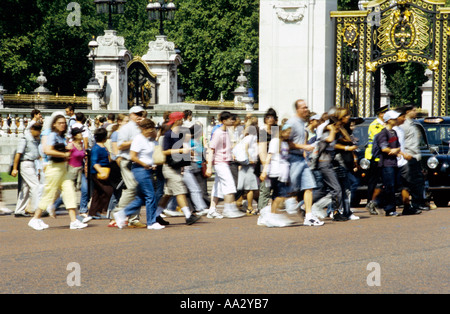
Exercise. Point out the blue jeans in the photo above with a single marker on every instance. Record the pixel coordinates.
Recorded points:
(389, 175)
(145, 194)
(84, 200)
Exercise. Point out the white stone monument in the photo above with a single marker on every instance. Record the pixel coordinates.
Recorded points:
(163, 60)
(111, 61)
(296, 55)
(427, 93)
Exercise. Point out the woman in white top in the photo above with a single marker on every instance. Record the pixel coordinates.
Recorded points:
(141, 154)
(247, 180)
(276, 168)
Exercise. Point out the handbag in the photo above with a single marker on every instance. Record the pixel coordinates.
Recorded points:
(158, 157)
(105, 173)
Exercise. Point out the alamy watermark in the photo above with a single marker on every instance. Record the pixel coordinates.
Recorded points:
(74, 277)
(374, 277)
(74, 17)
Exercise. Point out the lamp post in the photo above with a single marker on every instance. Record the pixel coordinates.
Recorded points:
(161, 10)
(93, 45)
(110, 7)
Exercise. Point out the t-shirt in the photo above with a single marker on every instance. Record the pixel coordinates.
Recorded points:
(99, 155)
(387, 139)
(53, 139)
(173, 140)
(77, 156)
(279, 162)
(221, 145)
(144, 147)
(252, 142)
(298, 133)
(127, 133)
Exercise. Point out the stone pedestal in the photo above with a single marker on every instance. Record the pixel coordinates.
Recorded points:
(111, 62)
(427, 93)
(93, 93)
(296, 55)
(163, 60)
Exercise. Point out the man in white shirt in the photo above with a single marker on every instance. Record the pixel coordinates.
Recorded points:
(126, 135)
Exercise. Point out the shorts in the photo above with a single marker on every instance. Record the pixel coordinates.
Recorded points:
(174, 181)
(223, 182)
(279, 189)
(301, 176)
(247, 180)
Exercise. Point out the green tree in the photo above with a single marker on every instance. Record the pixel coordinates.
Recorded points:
(404, 81)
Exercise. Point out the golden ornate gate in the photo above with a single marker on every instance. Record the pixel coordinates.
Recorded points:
(390, 31)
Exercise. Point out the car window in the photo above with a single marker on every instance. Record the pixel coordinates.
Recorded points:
(360, 133)
(438, 134)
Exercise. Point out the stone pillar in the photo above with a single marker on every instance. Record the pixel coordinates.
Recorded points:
(427, 93)
(296, 55)
(2, 91)
(111, 62)
(163, 60)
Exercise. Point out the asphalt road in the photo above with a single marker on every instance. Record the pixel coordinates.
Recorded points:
(373, 255)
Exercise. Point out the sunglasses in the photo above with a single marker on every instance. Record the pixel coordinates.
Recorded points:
(139, 114)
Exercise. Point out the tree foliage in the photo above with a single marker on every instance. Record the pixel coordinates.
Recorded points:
(404, 81)
(214, 38)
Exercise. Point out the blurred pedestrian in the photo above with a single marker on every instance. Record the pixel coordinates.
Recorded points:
(100, 172)
(25, 159)
(141, 154)
(56, 177)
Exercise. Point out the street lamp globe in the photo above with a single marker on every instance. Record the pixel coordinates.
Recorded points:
(247, 65)
(110, 7)
(93, 44)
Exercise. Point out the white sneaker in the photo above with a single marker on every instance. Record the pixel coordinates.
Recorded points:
(212, 213)
(353, 217)
(277, 220)
(77, 225)
(203, 212)
(34, 223)
(291, 206)
(173, 213)
(263, 215)
(5, 211)
(86, 219)
(120, 219)
(311, 220)
(156, 226)
(43, 224)
(232, 213)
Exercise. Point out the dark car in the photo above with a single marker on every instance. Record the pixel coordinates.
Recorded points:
(361, 133)
(436, 160)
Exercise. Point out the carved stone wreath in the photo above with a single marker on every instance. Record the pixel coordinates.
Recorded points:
(290, 12)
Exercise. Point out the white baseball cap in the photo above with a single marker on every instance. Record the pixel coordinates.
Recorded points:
(391, 115)
(136, 109)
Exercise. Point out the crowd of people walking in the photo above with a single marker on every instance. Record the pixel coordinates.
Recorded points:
(307, 163)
